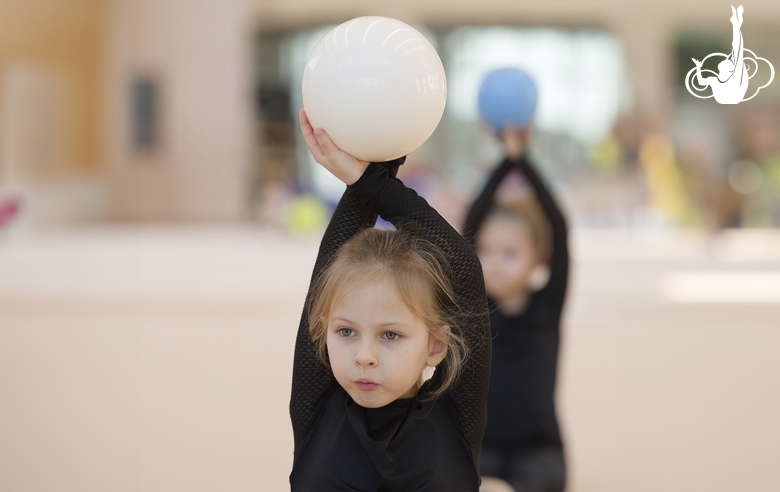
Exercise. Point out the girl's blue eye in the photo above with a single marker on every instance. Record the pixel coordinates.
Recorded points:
(346, 332)
(389, 335)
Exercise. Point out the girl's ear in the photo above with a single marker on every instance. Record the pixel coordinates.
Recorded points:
(437, 347)
(539, 277)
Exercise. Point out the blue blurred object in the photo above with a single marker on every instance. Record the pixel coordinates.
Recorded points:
(507, 96)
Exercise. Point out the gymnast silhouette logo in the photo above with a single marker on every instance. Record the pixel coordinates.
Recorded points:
(730, 84)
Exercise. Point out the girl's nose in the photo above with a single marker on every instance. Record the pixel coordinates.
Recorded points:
(365, 356)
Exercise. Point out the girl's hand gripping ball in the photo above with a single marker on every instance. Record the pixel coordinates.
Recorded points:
(342, 165)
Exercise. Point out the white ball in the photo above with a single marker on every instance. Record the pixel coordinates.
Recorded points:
(377, 86)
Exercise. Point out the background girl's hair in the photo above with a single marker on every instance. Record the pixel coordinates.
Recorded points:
(423, 277)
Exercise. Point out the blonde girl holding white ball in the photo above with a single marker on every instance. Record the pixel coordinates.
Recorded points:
(383, 306)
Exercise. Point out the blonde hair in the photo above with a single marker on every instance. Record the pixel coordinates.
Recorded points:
(420, 273)
(530, 214)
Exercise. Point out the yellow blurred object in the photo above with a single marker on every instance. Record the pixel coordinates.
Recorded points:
(607, 156)
(306, 214)
(665, 180)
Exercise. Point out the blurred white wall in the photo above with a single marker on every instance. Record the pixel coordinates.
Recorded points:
(198, 54)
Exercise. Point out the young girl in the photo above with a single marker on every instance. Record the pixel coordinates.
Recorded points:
(522, 444)
(383, 306)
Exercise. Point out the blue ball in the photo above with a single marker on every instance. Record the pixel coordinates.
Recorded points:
(507, 96)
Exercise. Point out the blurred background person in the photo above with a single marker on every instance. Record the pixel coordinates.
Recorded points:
(519, 236)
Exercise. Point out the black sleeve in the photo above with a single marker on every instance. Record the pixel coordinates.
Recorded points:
(398, 204)
(312, 380)
(484, 202)
(559, 258)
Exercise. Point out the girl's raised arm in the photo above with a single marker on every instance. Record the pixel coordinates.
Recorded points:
(398, 204)
(484, 202)
(311, 378)
(559, 258)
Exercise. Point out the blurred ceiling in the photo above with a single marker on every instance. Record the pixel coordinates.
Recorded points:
(285, 14)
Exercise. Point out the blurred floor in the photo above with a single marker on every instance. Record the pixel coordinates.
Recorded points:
(159, 359)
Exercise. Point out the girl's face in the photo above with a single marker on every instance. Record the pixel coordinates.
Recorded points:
(377, 347)
(508, 254)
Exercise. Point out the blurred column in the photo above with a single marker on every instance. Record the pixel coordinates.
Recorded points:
(178, 108)
(646, 36)
(30, 123)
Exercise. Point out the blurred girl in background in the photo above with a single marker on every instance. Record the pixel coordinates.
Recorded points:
(517, 239)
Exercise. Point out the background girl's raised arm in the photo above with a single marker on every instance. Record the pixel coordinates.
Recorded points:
(559, 257)
(484, 202)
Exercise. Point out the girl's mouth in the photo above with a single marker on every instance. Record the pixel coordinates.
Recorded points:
(365, 384)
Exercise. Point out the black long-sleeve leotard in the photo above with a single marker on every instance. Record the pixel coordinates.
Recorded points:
(525, 346)
(411, 444)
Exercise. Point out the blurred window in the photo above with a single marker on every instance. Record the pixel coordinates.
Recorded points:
(144, 96)
(580, 74)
